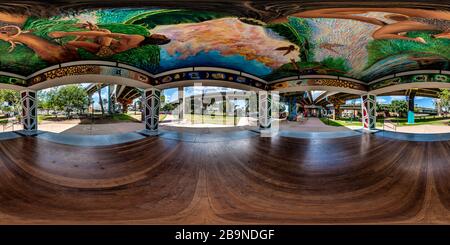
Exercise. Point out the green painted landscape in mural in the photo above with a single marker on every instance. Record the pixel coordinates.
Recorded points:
(365, 46)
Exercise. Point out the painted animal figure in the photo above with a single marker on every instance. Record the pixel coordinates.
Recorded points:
(406, 20)
(288, 49)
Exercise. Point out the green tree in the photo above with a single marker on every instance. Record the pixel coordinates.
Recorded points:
(71, 98)
(168, 107)
(385, 108)
(400, 107)
(10, 101)
(444, 97)
(46, 100)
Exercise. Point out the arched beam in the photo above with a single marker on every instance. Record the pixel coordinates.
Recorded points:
(407, 86)
(105, 79)
(218, 83)
(209, 76)
(12, 87)
(322, 88)
(319, 82)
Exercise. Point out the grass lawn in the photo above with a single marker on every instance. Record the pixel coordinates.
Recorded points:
(47, 117)
(123, 118)
(429, 120)
(331, 122)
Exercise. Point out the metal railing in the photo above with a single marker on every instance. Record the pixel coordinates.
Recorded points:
(9, 124)
(388, 123)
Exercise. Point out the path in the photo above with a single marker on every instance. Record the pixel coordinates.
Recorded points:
(422, 129)
(312, 124)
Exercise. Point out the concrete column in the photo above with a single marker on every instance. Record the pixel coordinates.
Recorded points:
(29, 111)
(151, 103)
(268, 101)
(91, 104)
(224, 108)
(180, 103)
(438, 107)
(293, 108)
(369, 113)
(109, 99)
(410, 99)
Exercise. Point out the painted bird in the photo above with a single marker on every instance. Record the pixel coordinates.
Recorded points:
(288, 49)
(331, 46)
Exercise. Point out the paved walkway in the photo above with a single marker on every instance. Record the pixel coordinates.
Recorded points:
(422, 129)
(311, 124)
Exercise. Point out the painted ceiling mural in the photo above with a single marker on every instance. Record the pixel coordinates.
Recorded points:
(361, 43)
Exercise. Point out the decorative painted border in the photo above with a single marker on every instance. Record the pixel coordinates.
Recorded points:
(94, 67)
(319, 82)
(88, 70)
(4, 79)
(416, 78)
(193, 75)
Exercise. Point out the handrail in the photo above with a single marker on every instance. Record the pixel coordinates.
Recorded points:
(389, 124)
(9, 124)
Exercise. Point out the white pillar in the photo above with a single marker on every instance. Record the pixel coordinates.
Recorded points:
(29, 111)
(180, 103)
(369, 112)
(151, 102)
(268, 113)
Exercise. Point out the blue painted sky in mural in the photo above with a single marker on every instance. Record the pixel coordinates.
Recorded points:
(213, 58)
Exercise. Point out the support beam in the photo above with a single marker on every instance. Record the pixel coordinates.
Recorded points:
(369, 113)
(109, 100)
(29, 111)
(180, 103)
(410, 98)
(122, 87)
(438, 107)
(151, 102)
(324, 96)
(268, 113)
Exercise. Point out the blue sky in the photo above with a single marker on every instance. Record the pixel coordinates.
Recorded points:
(419, 101)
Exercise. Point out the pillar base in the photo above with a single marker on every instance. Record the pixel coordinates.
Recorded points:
(410, 117)
(147, 132)
(28, 132)
(367, 131)
(267, 132)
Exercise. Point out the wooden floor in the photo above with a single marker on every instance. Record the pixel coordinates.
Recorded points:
(362, 179)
